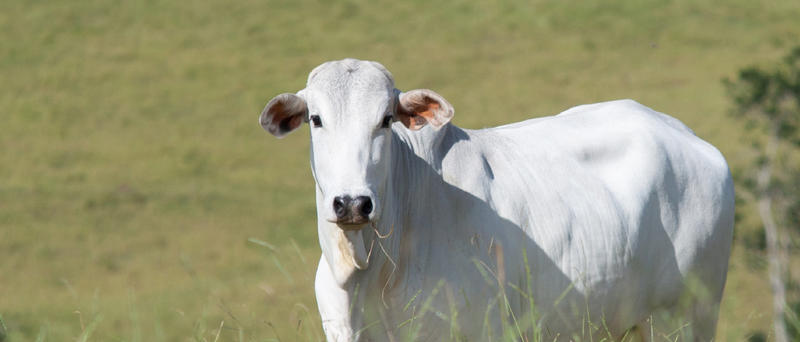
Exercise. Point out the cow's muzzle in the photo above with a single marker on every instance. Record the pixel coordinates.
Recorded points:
(352, 213)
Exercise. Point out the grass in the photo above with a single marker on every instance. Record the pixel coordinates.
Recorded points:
(134, 178)
(439, 308)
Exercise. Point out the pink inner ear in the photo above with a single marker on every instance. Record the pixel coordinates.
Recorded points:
(412, 120)
(430, 107)
(417, 110)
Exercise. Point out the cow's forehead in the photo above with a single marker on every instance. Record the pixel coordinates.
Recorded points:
(349, 76)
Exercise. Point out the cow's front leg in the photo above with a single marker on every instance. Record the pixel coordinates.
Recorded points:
(334, 305)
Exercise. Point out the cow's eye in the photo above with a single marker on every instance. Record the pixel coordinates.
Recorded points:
(386, 121)
(315, 120)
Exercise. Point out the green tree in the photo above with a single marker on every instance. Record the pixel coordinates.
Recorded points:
(768, 99)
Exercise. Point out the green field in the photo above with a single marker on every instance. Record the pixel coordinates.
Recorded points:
(141, 201)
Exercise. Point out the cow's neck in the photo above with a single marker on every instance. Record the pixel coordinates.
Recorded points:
(389, 243)
(404, 234)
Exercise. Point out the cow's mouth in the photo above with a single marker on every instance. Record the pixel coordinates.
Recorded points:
(352, 225)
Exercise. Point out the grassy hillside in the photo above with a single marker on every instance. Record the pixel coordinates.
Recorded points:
(141, 201)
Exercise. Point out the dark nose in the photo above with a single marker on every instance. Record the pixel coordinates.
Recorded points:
(352, 210)
(341, 206)
(362, 205)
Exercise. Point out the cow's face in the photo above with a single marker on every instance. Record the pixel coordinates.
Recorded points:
(350, 106)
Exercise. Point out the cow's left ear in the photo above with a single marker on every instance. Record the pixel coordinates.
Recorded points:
(283, 114)
(419, 107)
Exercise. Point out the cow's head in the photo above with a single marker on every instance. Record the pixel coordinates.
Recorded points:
(350, 106)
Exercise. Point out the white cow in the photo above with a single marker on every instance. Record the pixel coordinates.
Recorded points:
(576, 226)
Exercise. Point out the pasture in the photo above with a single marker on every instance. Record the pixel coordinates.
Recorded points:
(141, 201)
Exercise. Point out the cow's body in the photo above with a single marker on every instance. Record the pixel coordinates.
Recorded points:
(615, 207)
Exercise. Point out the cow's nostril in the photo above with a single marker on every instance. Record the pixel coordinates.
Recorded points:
(340, 205)
(364, 205)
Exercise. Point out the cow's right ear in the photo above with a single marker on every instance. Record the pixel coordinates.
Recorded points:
(284, 114)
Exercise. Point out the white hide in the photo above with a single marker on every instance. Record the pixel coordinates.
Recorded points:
(614, 206)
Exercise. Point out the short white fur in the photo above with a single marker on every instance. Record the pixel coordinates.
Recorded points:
(617, 204)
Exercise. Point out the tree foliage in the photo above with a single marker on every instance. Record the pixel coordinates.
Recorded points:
(773, 94)
(769, 100)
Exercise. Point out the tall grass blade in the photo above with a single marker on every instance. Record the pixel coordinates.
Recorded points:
(283, 270)
(262, 243)
(219, 330)
(297, 250)
(90, 329)
(42, 335)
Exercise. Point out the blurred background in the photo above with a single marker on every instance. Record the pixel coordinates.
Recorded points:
(141, 201)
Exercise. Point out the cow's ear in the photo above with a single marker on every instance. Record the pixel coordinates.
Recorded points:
(283, 114)
(419, 107)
